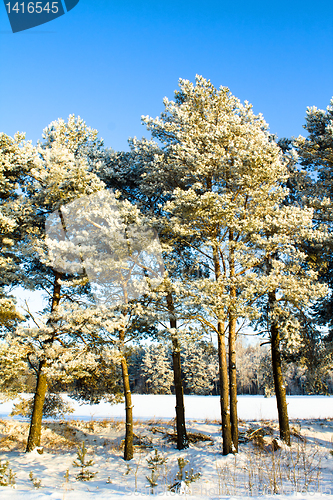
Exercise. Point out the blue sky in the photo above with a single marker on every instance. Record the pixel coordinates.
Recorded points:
(112, 61)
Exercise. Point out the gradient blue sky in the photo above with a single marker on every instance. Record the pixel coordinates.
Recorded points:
(110, 61)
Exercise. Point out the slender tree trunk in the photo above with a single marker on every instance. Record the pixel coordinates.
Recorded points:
(233, 382)
(224, 391)
(37, 413)
(232, 349)
(279, 386)
(223, 371)
(182, 441)
(35, 430)
(128, 451)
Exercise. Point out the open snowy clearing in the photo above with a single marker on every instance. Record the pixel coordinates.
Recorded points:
(304, 470)
(200, 407)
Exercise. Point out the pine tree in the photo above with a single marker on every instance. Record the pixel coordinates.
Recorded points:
(315, 153)
(16, 159)
(224, 173)
(214, 149)
(85, 473)
(199, 363)
(56, 178)
(156, 370)
(126, 172)
(120, 256)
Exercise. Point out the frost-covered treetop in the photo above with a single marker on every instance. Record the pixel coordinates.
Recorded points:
(109, 241)
(210, 137)
(74, 135)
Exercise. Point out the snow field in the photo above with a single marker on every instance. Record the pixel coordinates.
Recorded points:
(304, 471)
(200, 407)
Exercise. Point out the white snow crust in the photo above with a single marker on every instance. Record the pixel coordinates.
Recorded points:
(311, 417)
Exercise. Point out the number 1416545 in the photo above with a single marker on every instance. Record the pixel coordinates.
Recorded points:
(32, 7)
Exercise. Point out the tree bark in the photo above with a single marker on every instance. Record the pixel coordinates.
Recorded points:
(279, 386)
(233, 382)
(35, 430)
(128, 451)
(182, 440)
(37, 413)
(232, 348)
(224, 392)
(223, 370)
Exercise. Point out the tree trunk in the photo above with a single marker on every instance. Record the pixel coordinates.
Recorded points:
(224, 392)
(37, 413)
(233, 383)
(182, 441)
(35, 430)
(223, 370)
(128, 451)
(232, 348)
(279, 386)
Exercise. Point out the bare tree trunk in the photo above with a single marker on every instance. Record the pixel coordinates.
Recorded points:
(232, 348)
(223, 371)
(233, 383)
(182, 441)
(224, 391)
(35, 430)
(279, 386)
(37, 413)
(128, 452)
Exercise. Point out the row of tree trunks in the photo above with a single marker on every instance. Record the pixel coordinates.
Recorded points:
(35, 430)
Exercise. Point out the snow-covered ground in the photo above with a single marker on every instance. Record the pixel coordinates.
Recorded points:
(303, 471)
(201, 407)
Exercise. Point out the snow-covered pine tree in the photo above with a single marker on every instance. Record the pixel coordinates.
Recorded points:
(200, 367)
(156, 369)
(134, 365)
(315, 156)
(127, 173)
(16, 159)
(120, 255)
(56, 178)
(225, 174)
(249, 356)
(214, 150)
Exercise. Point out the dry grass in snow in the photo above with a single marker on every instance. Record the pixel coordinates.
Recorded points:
(263, 466)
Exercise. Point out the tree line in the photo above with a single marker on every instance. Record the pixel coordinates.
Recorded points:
(209, 227)
(151, 372)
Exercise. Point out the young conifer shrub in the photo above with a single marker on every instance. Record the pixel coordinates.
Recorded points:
(85, 474)
(36, 482)
(7, 476)
(154, 463)
(183, 476)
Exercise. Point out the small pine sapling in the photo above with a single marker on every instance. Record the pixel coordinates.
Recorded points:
(85, 474)
(183, 476)
(66, 483)
(154, 463)
(36, 482)
(7, 476)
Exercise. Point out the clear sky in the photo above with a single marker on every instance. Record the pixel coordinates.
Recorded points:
(110, 61)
